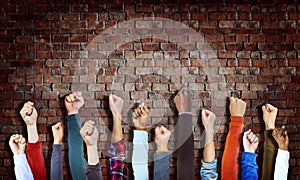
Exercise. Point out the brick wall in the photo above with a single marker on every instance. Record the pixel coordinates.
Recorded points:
(50, 48)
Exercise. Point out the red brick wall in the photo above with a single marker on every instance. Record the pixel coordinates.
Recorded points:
(50, 48)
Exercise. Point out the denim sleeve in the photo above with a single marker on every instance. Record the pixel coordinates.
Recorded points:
(77, 161)
(22, 169)
(140, 155)
(208, 170)
(56, 163)
(249, 166)
(161, 165)
(93, 172)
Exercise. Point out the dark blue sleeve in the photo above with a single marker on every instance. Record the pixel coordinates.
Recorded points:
(249, 166)
(93, 172)
(56, 163)
(161, 165)
(77, 161)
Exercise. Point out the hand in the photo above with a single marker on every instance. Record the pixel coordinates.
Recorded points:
(237, 107)
(29, 114)
(116, 105)
(250, 141)
(281, 137)
(269, 116)
(162, 136)
(140, 117)
(58, 133)
(208, 119)
(183, 101)
(17, 144)
(89, 133)
(74, 102)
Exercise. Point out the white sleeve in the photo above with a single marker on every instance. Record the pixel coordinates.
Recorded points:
(22, 169)
(140, 155)
(282, 165)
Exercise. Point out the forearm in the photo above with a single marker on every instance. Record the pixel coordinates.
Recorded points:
(93, 156)
(22, 169)
(56, 163)
(185, 147)
(281, 165)
(270, 152)
(33, 136)
(140, 154)
(77, 161)
(117, 134)
(209, 147)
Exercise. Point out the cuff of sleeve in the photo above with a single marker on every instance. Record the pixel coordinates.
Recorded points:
(96, 167)
(117, 148)
(248, 157)
(34, 145)
(18, 158)
(283, 154)
(161, 151)
(209, 165)
(57, 147)
(160, 155)
(139, 136)
(182, 113)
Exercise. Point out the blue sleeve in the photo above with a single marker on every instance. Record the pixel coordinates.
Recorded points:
(249, 166)
(77, 161)
(161, 165)
(56, 163)
(22, 169)
(208, 170)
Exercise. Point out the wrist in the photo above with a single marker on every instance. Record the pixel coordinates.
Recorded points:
(270, 126)
(283, 147)
(141, 128)
(163, 147)
(57, 141)
(73, 112)
(250, 151)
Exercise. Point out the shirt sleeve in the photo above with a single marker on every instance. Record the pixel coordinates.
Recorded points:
(117, 151)
(208, 170)
(36, 160)
(249, 166)
(140, 155)
(184, 145)
(77, 161)
(22, 169)
(161, 165)
(269, 157)
(56, 171)
(281, 165)
(93, 172)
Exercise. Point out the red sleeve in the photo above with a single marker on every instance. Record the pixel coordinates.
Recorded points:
(36, 160)
(230, 164)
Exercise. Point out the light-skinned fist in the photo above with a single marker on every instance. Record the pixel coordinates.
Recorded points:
(29, 113)
(116, 105)
(58, 133)
(250, 141)
(17, 144)
(74, 102)
(162, 136)
(140, 117)
(183, 100)
(208, 119)
(281, 137)
(89, 133)
(269, 116)
(237, 107)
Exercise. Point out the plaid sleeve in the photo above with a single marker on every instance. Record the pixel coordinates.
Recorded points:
(117, 151)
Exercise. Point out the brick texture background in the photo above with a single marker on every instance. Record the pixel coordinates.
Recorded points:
(51, 48)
